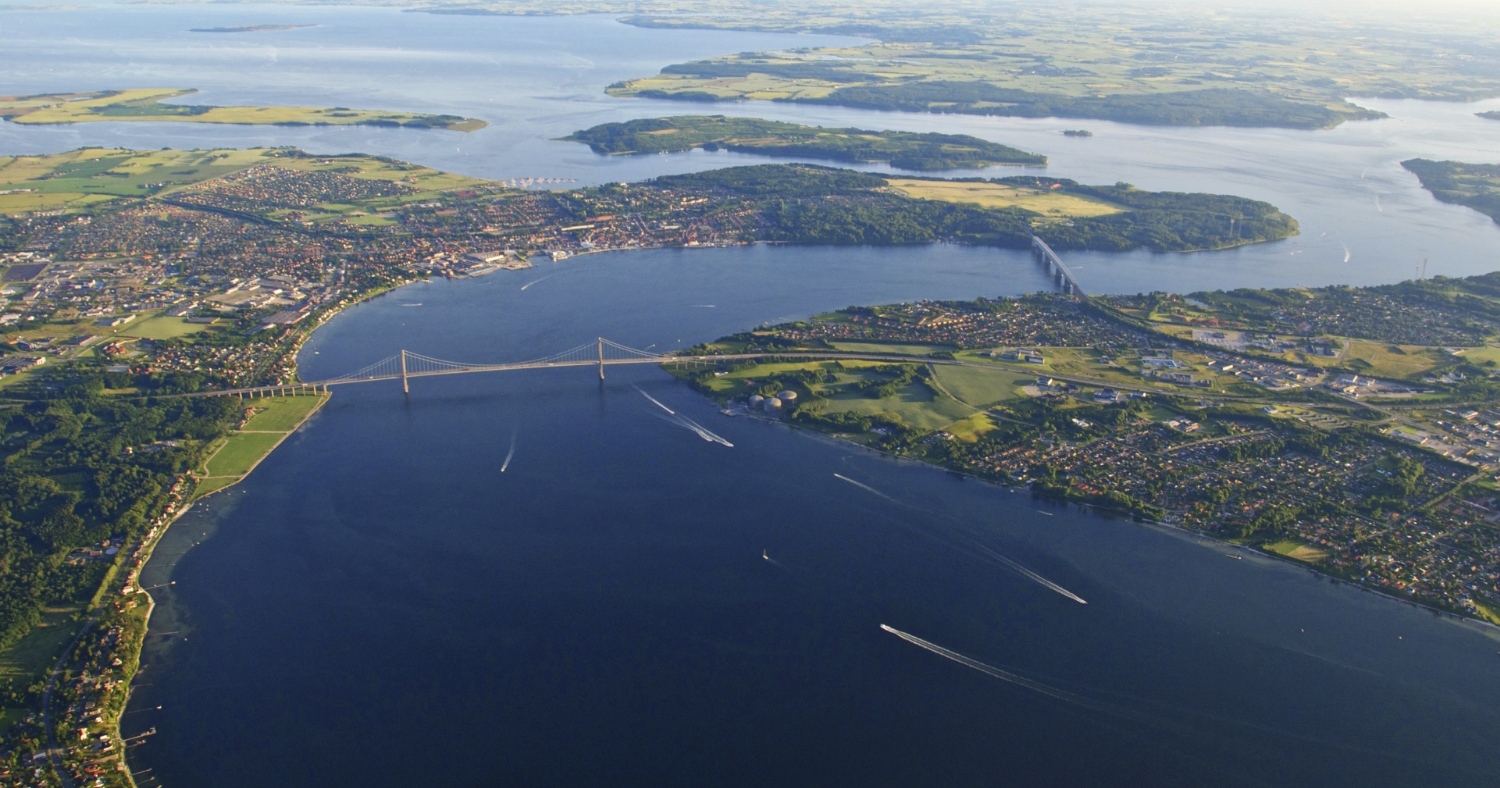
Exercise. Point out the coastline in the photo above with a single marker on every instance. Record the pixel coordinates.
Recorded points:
(131, 668)
(1491, 629)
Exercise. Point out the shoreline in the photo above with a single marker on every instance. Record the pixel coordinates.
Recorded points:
(1098, 510)
(148, 551)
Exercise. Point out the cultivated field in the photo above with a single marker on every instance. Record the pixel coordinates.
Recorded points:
(1052, 204)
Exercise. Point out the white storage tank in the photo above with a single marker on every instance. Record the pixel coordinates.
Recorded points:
(756, 400)
(787, 397)
(773, 404)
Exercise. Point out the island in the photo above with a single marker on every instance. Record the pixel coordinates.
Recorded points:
(903, 150)
(146, 105)
(1335, 428)
(1077, 133)
(138, 283)
(1492, 115)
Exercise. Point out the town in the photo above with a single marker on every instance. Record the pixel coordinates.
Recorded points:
(1374, 481)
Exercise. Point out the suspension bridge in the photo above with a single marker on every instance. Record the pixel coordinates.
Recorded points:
(600, 353)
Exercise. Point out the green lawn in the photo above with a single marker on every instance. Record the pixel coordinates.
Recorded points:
(213, 484)
(1297, 550)
(241, 452)
(915, 404)
(281, 414)
(979, 386)
(971, 429)
(163, 328)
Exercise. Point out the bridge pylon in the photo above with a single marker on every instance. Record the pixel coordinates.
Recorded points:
(601, 358)
(405, 386)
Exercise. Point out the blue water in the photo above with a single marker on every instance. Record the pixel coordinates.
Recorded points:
(379, 606)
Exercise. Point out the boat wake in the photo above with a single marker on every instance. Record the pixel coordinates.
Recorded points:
(510, 454)
(534, 281)
(865, 487)
(654, 401)
(1003, 675)
(687, 423)
(978, 550)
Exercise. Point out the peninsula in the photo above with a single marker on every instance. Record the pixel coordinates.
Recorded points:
(903, 150)
(146, 105)
(1338, 428)
(1475, 186)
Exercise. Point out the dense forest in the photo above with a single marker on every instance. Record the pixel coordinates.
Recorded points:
(1476, 186)
(822, 205)
(82, 467)
(902, 149)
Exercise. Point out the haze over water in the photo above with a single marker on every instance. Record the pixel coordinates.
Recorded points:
(377, 605)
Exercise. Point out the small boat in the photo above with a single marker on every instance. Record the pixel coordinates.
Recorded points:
(1235, 557)
(765, 554)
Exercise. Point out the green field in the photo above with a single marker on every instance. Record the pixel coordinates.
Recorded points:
(1158, 65)
(86, 177)
(213, 484)
(1297, 551)
(916, 404)
(145, 105)
(163, 328)
(1388, 361)
(241, 452)
(980, 387)
(1046, 202)
(281, 414)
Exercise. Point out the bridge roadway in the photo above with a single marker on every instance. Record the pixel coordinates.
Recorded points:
(293, 388)
(1055, 262)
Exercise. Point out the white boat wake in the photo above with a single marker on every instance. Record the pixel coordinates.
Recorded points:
(1003, 675)
(979, 551)
(509, 454)
(683, 421)
(654, 401)
(534, 281)
(865, 487)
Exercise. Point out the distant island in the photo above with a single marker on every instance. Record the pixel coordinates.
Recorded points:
(1476, 186)
(247, 28)
(903, 150)
(1078, 133)
(146, 105)
(1491, 115)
